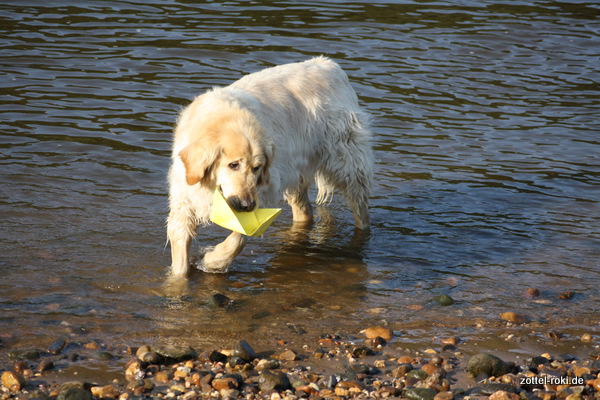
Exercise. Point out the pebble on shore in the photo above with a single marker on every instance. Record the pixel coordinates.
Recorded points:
(242, 373)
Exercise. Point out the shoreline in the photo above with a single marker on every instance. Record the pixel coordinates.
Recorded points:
(373, 362)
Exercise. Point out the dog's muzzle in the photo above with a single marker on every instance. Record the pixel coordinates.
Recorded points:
(241, 205)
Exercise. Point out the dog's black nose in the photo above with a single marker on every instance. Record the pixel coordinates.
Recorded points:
(247, 205)
(241, 205)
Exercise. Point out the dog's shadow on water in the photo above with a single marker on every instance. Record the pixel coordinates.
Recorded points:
(323, 258)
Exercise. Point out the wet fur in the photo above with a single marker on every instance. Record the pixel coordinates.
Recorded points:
(266, 136)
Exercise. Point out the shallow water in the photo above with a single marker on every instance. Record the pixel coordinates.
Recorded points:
(485, 117)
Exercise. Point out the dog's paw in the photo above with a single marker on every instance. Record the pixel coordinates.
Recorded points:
(214, 264)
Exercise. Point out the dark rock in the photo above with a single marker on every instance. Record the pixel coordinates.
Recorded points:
(536, 361)
(57, 346)
(30, 355)
(220, 300)
(152, 357)
(419, 393)
(233, 361)
(349, 375)
(487, 364)
(104, 356)
(565, 357)
(297, 329)
(418, 373)
(140, 386)
(273, 381)
(216, 356)
(359, 369)
(444, 300)
(75, 394)
(331, 381)
(490, 388)
(360, 351)
(177, 353)
(74, 391)
(45, 365)
(244, 351)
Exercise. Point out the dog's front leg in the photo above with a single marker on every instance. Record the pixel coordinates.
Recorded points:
(220, 258)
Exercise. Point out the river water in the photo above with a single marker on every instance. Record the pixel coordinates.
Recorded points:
(485, 119)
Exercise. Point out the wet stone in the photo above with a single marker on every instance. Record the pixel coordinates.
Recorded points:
(30, 355)
(216, 356)
(418, 374)
(447, 395)
(502, 395)
(378, 331)
(244, 351)
(219, 300)
(151, 357)
(104, 356)
(513, 317)
(288, 355)
(75, 393)
(486, 364)
(57, 346)
(177, 353)
(444, 300)
(362, 351)
(565, 357)
(490, 388)
(45, 365)
(419, 394)
(277, 380)
(267, 364)
(12, 381)
(537, 360)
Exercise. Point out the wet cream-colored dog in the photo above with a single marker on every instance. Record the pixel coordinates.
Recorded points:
(266, 137)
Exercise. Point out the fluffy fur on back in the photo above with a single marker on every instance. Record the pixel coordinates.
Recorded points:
(266, 137)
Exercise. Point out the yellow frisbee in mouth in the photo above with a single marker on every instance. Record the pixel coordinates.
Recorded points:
(253, 223)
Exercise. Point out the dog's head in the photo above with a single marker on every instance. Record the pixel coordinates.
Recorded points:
(232, 154)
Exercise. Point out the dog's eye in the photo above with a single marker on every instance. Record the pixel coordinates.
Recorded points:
(255, 169)
(234, 165)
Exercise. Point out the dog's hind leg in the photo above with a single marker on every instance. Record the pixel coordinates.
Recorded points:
(221, 257)
(300, 203)
(349, 169)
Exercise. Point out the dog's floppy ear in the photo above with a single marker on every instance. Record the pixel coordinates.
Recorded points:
(264, 177)
(199, 159)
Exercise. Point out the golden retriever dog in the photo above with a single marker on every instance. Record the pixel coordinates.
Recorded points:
(260, 140)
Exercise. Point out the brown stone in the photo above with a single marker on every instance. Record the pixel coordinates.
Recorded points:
(579, 371)
(596, 384)
(444, 396)
(105, 392)
(288, 355)
(430, 369)
(92, 346)
(224, 383)
(451, 341)
(12, 381)
(513, 317)
(378, 331)
(196, 379)
(406, 360)
(503, 395)
(162, 377)
(133, 370)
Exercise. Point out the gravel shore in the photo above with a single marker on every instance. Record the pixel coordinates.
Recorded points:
(331, 366)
